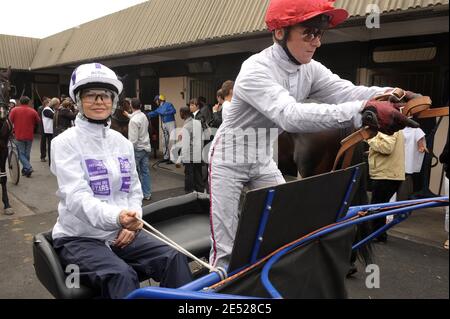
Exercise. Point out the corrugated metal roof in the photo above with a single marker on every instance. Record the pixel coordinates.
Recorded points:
(152, 25)
(358, 7)
(51, 48)
(17, 52)
(163, 24)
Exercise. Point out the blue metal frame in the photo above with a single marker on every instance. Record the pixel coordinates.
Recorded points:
(266, 269)
(352, 184)
(262, 225)
(354, 210)
(397, 220)
(194, 290)
(205, 281)
(179, 294)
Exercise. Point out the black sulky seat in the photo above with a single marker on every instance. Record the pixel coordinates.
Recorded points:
(51, 273)
(184, 219)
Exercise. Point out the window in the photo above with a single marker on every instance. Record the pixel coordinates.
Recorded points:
(392, 55)
(200, 67)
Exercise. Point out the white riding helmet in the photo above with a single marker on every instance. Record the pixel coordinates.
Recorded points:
(13, 101)
(94, 75)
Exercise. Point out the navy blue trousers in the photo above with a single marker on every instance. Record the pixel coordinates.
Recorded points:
(117, 272)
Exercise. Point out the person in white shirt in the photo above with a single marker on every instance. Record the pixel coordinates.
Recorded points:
(227, 91)
(48, 114)
(415, 149)
(100, 197)
(190, 143)
(139, 137)
(269, 95)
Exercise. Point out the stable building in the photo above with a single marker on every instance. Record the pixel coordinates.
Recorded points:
(187, 48)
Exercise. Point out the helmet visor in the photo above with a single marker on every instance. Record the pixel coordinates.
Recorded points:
(91, 96)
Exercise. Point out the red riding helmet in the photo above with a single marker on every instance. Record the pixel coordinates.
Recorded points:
(284, 13)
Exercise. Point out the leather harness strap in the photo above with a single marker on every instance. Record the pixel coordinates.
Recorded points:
(419, 108)
(348, 146)
(434, 112)
(416, 106)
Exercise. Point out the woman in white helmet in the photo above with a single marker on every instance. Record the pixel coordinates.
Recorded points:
(100, 197)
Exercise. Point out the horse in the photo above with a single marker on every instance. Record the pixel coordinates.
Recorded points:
(119, 121)
(5, 133)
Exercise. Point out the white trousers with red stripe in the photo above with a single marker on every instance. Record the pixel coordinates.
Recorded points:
(227, 181)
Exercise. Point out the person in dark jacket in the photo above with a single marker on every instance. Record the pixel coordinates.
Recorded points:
(63, 118)
(217, 111)
(205, 110)
(444, 160)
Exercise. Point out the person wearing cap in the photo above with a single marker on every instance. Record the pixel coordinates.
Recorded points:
(269, 95)
(167, 112)
(12, 103)
(100, 197)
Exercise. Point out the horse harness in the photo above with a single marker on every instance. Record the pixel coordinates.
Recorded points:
(419, 108)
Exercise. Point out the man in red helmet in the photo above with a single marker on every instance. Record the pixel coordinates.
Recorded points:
(269, 93)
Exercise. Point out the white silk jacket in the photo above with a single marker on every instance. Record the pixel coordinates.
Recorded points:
(270, 92)
(97, 179)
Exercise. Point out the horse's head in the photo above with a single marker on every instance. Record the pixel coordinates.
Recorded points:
(4, 110)
(123, 104)
(5, 85)
(5, 88)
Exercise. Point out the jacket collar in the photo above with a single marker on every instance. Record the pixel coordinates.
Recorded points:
(283, 60)
(135, 113)
(91, 129)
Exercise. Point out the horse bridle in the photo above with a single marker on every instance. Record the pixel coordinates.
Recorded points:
(114, 117)
(4, 103)
(3, 98)
(419, 108)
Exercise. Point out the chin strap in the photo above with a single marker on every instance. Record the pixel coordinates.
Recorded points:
(103, 122)
(291, 57)
(283, 44)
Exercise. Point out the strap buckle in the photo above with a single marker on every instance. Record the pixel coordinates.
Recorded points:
(398, 94)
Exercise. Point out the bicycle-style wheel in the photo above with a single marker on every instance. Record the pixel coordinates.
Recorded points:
(14, 167)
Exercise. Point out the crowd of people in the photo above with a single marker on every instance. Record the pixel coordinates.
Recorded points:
(103, 177)
(51, 119)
